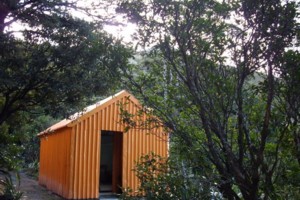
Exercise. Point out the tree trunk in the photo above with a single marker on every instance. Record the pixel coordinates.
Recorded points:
(227, 192)
(5, 8)
(3, 14)
(296, 134)
(251, 192)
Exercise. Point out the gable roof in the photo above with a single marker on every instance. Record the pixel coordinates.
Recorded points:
(75, 118)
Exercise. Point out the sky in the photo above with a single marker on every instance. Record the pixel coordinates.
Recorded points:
(123, 31)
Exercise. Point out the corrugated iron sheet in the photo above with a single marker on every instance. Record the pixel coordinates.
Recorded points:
(70, 157)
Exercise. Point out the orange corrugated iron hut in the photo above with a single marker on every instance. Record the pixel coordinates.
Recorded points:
(90, 152)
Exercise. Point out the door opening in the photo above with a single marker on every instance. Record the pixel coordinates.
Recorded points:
(111, 161)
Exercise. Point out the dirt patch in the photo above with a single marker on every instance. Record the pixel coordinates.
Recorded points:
(33, 191)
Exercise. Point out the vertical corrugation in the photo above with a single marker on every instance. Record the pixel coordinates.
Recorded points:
(84, 163)
(86, 158)
(158, 142)
(160, 138)
(65, 166)
(125, 154)
(165, 140)
(81, 161)
(128, 157)
(89, 180)
(75, 173)
(155, 141)
(83, 155)
(118, 116)
(53, 169)
(95, 186)
(129, 152)
(88, 166)
(83, 180)
(92, 169)
(102, 120)
(62, 161)
(55, 160)
(105, 120)
(92, 183)
(114, 117)
(48, 181)
(150, 147)
(61, 164)
(109, 118)
(147, 141)
(134, 147)
(48, 163)
(98, 139)
(70, 165)
(77, 161)
(55, 172)
(89, 155)
(143, 138)
(143, 142)
(138, 144)
(42, 161)
(76, 164)
(72, 162)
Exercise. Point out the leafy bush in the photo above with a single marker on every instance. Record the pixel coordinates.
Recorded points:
(8, 190)
(162, 179)
(10, 150)
(32, 169)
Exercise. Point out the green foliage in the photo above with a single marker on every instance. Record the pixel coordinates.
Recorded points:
(30, 141)
(41, 73)
(19, 141)
(163, 178)
(290, 96)
(226, 89)
(54, 58)
(54, 65)
(127, 194)
(10, 151)
(153, 174)
(8, 190)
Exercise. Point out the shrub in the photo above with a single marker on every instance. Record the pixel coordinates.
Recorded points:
(8, 191)
(163, 179)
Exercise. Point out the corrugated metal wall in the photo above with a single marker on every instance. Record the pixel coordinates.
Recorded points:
(55, 161)
(84, 139)
(138, 142)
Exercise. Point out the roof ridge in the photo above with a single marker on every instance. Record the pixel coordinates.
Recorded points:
(65, 122)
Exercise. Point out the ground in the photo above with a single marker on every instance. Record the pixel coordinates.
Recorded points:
(33, 191)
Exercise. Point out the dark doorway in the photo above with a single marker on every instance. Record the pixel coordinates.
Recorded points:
(111, 161)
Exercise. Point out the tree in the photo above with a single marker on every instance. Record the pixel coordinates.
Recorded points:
(58, 61)
(55, 64)
(290, 81)
(226, 113)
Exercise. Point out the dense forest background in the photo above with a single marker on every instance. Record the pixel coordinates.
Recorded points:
(223, 77)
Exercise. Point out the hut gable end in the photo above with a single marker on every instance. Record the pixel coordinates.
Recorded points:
(90, 110)
(91, 152)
